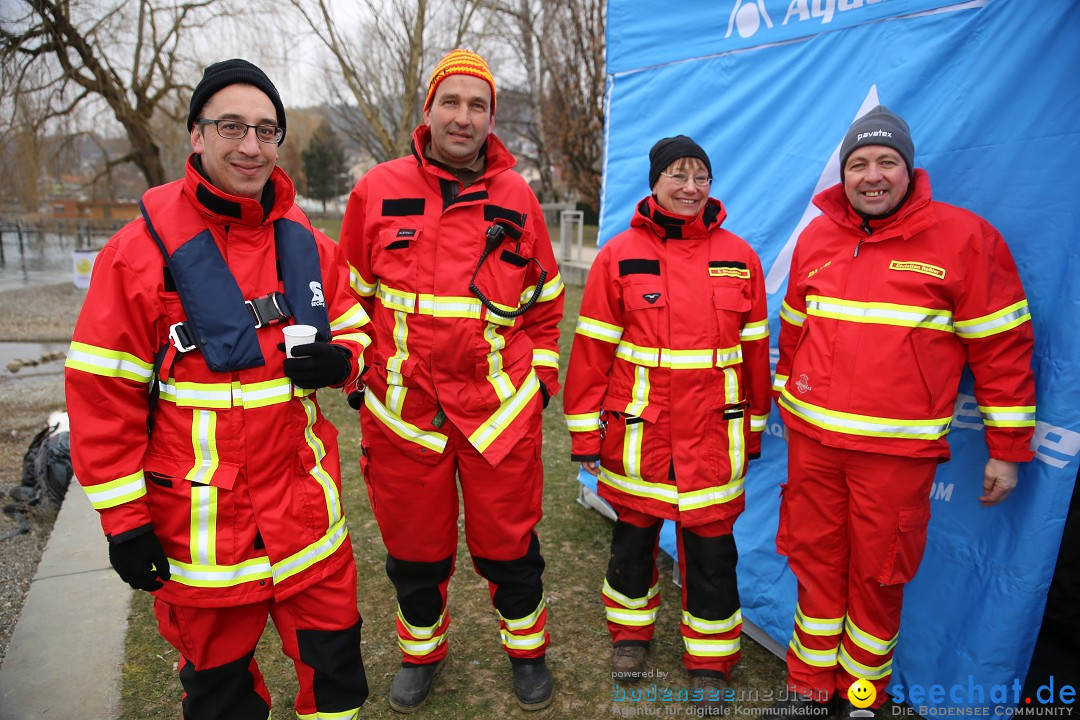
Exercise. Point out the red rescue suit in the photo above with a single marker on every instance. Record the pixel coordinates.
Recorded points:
(239, 475)
(877, 324)
(454, 388)
(668, 387)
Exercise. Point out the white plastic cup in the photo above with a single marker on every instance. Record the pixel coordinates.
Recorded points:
(297, 335)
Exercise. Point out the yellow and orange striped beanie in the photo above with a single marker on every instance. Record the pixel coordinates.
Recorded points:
(460, 62)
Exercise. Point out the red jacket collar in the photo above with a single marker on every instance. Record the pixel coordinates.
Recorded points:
(666, 225)
(835, 205)
(498, 157)
(221, 207)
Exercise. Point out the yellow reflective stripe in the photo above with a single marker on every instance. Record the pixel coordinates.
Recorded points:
(598, 330)
(731, 387)
(313, 553)
(317, 471)
(526, 622)
(363, 338)
(522, 642)
(353, 714)
(491, 428)
(585, 422)
(707, 497)
(880, 313)
(396, 299)
(711, 648)
(116, 492)
(791, 315)
(203, 539)
(451, 306)
(758, 422)
(817, 658)
(552, 288)
(818, 626)
(406, 431)
(779, 381)
(545, 358)
(712, 627)
(360, 286)
(638, 355)
(420, 647)
(663, 492)
(868, 642)
(395, 362)
(629, 602)
(195, 575)
(754, 330)
(678, 359)
(867, 672)
(736, 452)
(1015, 416)
(225, 395)
(631, 618)
(395, 398)
(108, 363)
(635, 432)
(865, 424)
(204, 445)
(354, 317)
(421, 633)
(500, 381)
(726, 357)
(1005, 319)
(639, 392)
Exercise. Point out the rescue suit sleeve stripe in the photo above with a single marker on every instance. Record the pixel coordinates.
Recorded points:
(598, 330)
(779, 381)
(545, 358)
(880, 313)
(1018, 416)
(358, 337)
(362, 287)
(864, 671)
(758, 423)
(711, 648)
(116, 492)
(866, 641)
(585, 422)
(639, 488)
(194, 575)
(525, 622)
(406, 431)
(108, 363)
(708, 497)
(712, 627)
(321, 549)
(553, 287)
(864, 424)
(491, 428)
(754, 331)
(628, 602)
(353, 318)
(397, 299)
(791, 315)
(817, 658)
(994, 323)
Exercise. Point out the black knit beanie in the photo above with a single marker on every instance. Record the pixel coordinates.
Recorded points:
(880, 126)
(233, 72)
(668, 150)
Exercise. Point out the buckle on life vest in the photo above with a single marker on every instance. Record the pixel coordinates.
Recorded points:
(181, 338)
(269, 308)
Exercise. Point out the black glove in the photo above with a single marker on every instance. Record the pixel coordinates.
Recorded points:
(317, 365)
(140, 560)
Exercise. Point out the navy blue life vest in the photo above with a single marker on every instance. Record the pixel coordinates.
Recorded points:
(219, 322)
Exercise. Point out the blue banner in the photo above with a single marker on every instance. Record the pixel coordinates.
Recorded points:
(768, 88)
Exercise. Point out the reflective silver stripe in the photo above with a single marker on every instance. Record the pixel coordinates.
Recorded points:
(422, 633)
(754, 331)
(526, 622)
(817, 658)
(407, 431)
(868, 642)
(313, 553)
(635, 432)
(204, 445)
(108, 363)
(711, 648)
(219, 575)
(203, 525)
(758, 423)
(868, 672)
(640, 488)
(865, 424)
(354, 317)
(631, 618)
(628, 602)
(1019, 416)
(361, 286)
(880, 313)
(317, 471)
(522, 642)
(696, 499)
(818, 626)
(639, 392)
(116, 492)
(587, 422)
(1005, 319)
(711, 627)
(791, 315)
(598, 330)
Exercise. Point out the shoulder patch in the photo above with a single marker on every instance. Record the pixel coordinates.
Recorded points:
(729, 268)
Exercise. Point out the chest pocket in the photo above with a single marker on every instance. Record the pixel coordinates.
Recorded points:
(644, 306)
(730, 301)
(395, 264)
(502, 277)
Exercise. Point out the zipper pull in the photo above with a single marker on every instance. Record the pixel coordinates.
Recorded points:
(857, 249)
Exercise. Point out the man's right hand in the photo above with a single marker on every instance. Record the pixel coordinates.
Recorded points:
(140, 561)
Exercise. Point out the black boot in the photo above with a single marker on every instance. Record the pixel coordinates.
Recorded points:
(800, 707)
(532, 685)
(412, 685)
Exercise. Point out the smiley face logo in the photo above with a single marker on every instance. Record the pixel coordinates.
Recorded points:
(862, 693)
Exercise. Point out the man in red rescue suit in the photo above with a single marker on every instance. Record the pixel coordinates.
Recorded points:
(202, 447)
(452, 260)
(667, 394)
(889, 293)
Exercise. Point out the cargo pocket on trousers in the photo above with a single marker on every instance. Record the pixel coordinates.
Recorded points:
(782, 546)
(909, 541)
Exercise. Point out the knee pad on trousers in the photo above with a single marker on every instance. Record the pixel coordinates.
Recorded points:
(225, 692)
(339, 682)
(630, 569)
(518, 584)
(712, 591)
(417, 586)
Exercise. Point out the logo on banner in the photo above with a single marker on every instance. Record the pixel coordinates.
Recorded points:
(747, 15)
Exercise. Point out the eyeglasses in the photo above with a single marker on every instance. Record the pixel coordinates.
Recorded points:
(236, 130)
(683, 178)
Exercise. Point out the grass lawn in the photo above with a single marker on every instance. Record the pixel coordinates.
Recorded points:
(476, 681)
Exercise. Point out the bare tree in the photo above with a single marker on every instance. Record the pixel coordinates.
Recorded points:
(379, 63)
(125, 55)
